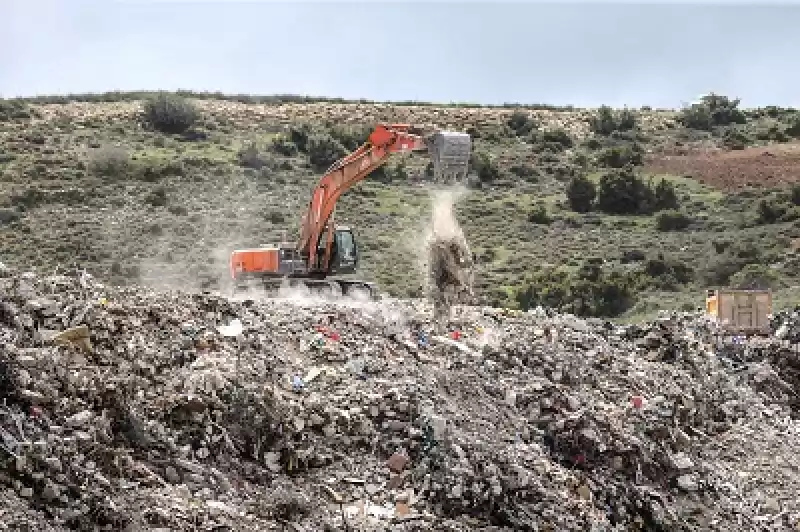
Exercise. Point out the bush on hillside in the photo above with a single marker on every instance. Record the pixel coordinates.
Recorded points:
(14, 110)
(351, 137)
(299, 135)
(521, 123)
(663, 273)
(283, 146)
(581, 193)
(623, 192)
(735, 139)
(755, 277)
(606, 121)
(591, 290)
(485, 167)
(621, 156)
(250, 157)
(712, 110)
(539, 215)
(324, 150)
(109, 162)
(793, 129)
(170, 114)
(672, 220)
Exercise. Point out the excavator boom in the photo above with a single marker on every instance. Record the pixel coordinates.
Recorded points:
(341, 176)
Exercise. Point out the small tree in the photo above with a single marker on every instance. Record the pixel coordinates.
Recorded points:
(623, 192)
(169, 113)
(665, 195)
(581, 193)
(521, 124)
(672, 221)
(712, 110)
(621, 156)
(538, 215)
(324, 150)
(485, 167)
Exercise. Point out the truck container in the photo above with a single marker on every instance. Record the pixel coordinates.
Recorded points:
(740, 311)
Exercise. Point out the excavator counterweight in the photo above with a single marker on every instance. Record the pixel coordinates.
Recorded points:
(324, 251)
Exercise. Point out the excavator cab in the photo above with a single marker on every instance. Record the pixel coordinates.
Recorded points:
(344, 251)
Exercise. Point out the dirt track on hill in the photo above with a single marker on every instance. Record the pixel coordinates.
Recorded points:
(771, 166)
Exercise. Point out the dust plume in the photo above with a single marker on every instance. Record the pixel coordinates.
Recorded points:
(447, 255)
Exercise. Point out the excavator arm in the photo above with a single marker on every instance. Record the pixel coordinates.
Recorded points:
(341, 176)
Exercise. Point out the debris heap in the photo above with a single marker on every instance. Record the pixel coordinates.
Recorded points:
(123, 409)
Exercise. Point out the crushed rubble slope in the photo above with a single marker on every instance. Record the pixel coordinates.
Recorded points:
(128, 409)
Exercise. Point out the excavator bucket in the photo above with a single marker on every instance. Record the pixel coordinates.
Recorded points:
(450, 152)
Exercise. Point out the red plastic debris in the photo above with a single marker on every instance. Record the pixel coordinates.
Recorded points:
(637, 401)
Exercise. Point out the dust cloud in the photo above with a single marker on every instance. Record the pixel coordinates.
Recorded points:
(447, 255)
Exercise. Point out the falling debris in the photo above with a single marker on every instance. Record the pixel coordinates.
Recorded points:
(450, 265)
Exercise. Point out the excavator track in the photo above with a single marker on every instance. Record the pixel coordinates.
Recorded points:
(324, 288)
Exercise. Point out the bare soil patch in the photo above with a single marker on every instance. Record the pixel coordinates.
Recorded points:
(771, 166)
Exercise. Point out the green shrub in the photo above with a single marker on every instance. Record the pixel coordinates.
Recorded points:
(157, 198)
(485, 167)
(793, 129)
(251, 157)
(795, 195)
(665, 196)
(773, 132)
(621, 191)
(588, 291)
(153, 171)
(524, 171)
(324, 150)
(735, 139)
(283, 146)
(557, 136)
(9, 216)
(606, 121)
(581, 193)
(754, 277)
(31, 198)
(109, 162)
(351, 137)
(621, 156)
(538, 215)
(299, 135)
(521, 123)
(769, 211)
(169, 113)
(712, 110)
(672, 221)
(14, 110)
(661, 273)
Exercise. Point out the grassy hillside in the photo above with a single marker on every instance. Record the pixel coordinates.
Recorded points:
(157, 189)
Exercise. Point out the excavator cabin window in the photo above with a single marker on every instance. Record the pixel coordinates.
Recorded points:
(344, 254)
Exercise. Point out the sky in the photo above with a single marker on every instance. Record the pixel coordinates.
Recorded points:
(663, 55)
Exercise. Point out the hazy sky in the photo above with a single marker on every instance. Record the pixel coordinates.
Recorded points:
(489, 52)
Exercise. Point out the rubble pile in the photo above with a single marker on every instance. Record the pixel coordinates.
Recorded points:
(124, 409)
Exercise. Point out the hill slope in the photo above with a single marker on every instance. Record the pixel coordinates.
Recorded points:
(91, 182)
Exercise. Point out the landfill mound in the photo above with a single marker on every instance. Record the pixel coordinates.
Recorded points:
(128, 409)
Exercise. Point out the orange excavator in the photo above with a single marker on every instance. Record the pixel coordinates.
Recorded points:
(326, 251)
